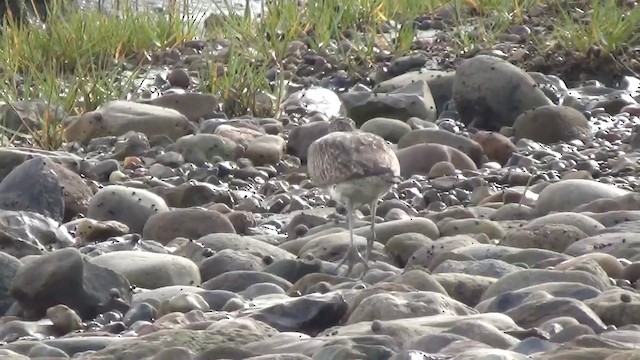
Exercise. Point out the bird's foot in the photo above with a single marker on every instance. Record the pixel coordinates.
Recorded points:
(351, 258)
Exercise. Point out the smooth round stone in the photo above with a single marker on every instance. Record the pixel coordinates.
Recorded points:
(132, 207)
(151, 270)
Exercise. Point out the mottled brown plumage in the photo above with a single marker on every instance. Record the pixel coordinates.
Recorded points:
(357, 168)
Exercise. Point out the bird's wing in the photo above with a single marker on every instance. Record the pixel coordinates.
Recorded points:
(343, 156)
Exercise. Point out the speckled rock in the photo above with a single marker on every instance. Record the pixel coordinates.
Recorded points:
(555, 237)
(513, 92)
(130, 206)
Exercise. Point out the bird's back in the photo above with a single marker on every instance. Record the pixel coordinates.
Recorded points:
(342, 156)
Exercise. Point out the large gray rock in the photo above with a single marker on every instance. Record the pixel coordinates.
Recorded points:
(9, 266)
(65, 277)
(491, 93)
(33, 186)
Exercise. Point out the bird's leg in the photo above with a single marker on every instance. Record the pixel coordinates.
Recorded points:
(352, 254)
(371, 239)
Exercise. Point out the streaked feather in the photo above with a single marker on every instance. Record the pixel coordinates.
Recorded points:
(342, 156)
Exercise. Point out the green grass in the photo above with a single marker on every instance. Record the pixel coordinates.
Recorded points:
(83, 59)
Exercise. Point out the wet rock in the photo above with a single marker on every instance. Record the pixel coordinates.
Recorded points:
(616, 244)
(118, 117)
(130, 206)
(246, 244)
(65, 277)
(189, 223)
(513, 92)
(150, 271)
(551, 124)
(26, 233)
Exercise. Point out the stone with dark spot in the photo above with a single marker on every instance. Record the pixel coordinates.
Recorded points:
(490, 93)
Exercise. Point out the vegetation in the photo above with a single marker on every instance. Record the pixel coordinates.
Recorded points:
(79, 60)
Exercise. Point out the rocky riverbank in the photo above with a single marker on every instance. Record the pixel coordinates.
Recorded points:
(164, 229)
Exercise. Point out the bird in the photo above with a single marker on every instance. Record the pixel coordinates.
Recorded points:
(356, 168)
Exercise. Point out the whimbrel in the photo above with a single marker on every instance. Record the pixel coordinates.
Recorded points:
(357, 168)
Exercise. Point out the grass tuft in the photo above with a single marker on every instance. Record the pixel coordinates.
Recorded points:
(82, 59)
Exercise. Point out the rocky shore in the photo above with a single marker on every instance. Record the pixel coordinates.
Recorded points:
(164, 229)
